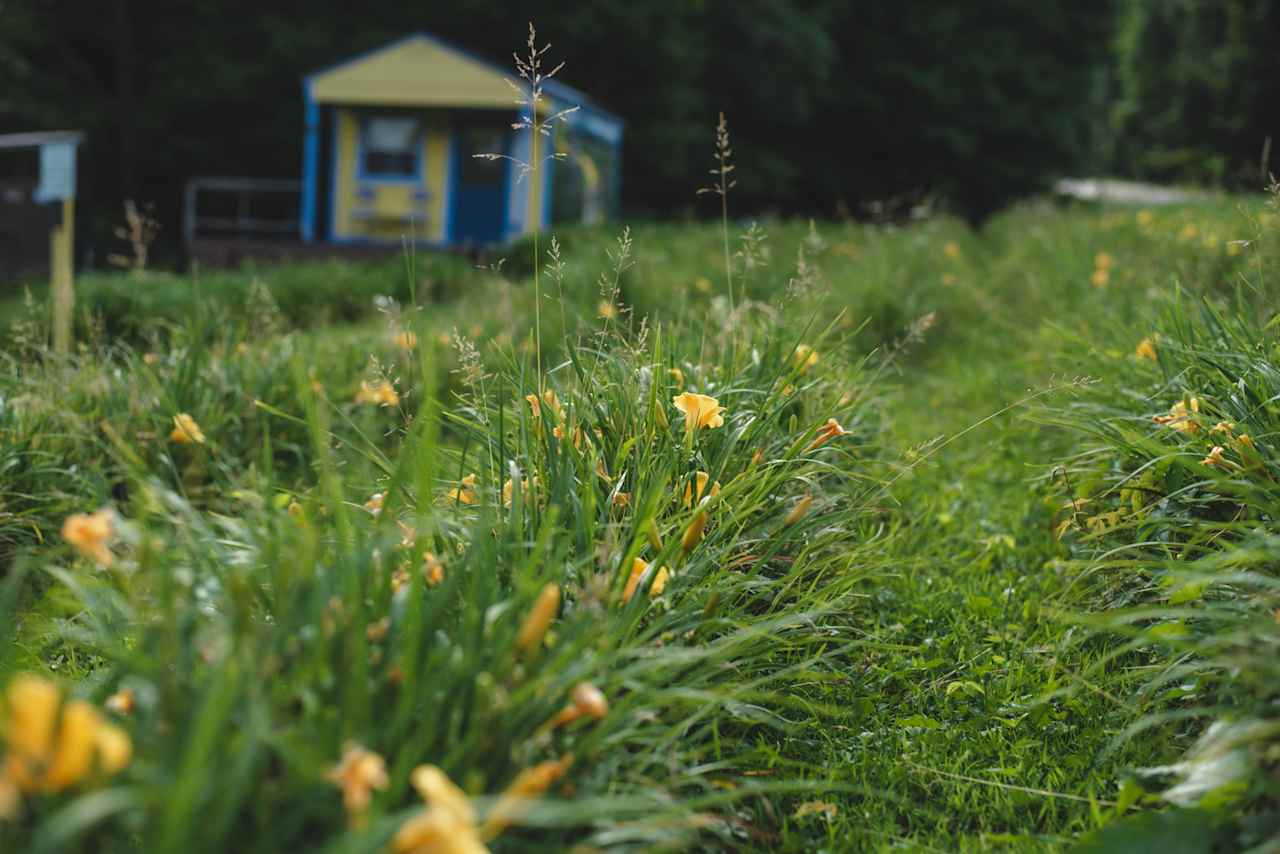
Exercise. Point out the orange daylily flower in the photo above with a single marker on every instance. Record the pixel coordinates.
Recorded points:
(829, 431)
(92, 535)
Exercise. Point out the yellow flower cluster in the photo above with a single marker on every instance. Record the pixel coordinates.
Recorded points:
(52, 744)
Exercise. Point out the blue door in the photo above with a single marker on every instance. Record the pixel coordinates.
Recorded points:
(479, 185)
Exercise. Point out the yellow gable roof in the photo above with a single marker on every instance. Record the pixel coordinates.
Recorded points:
(415, 72)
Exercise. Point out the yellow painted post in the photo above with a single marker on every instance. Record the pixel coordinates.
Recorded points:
(61, 276)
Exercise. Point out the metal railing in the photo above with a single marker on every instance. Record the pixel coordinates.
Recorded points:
(244, 222)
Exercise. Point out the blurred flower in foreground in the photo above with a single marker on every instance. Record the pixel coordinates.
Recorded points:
(185, 430)
(92, 534)
(357, 774)
(447, 826)
(381, 394)
(607, 310)
(54, 745)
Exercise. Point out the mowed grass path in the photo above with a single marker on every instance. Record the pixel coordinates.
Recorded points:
(970, 724)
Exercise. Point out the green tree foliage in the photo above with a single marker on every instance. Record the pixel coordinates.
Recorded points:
(1198, 86)
(832, 105)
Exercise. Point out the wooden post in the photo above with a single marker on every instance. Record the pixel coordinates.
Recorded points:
(62, 275)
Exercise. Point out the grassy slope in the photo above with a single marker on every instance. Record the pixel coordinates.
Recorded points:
(937, 730)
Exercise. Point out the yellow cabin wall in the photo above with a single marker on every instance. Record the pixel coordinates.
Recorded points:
(386, 215)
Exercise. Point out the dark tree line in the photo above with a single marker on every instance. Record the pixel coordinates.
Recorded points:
(831, 104)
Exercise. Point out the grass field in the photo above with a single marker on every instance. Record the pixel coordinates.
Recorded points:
(979, 555)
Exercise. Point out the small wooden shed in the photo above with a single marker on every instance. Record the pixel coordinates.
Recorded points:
(390, 139)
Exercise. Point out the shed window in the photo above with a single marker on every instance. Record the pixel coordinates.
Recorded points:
(390, 147)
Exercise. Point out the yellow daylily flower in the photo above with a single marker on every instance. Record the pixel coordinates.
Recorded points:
(52, 745)
(382, 393)
(406, 340)
(1102, 261)
(552, 402)
(804, 358)
(587, 701)
(92, 535)
(447, 826)
(639, 570)
(1215, 458)
(1100, 277)
(951, 249)
(465, 491)
(1146, 349)
(699, 411)
(121, 702)
(607, 310)
(529, 784)
(357, 774)
(798, 512)
(539, 620)
(432, 569)
(692, 496)
(677, 376)
(436, 831)
(693, 534)
(1180, 416)
(185, 430)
